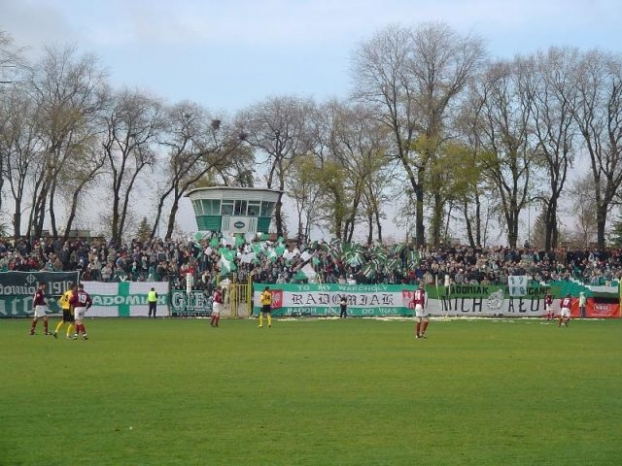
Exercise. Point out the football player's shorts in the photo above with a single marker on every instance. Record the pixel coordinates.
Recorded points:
(420, 311)
(40, 311)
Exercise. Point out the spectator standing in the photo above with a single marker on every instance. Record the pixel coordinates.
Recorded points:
(152, 301)
(343, 307)
(582, 305)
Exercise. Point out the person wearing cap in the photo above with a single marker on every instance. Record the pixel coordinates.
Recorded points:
(582, 305)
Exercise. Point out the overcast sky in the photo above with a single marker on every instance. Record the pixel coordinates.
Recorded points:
(229, 54)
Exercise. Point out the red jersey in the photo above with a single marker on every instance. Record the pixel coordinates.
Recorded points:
(419, 298)
(81, 299)
(39, 299)
(548, 300)
(566, 302)
(218, 297)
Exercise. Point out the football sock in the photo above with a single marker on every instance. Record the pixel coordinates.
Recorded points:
(70, 329)
(59, 326)
(418, 328)
(425, 327)
(83, 329)
(33, 325)
(260, 320)
(269, 320)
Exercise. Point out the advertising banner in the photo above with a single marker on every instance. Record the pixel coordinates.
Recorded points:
(393, 300)
(17, 290)
(194, 302)
(125, 299)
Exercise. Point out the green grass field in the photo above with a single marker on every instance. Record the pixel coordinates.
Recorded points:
(311, 392)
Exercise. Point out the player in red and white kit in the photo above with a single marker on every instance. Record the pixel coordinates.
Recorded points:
(564, 314)
(81, 302)
(421, 316)
(548, 306)
(39, 306)
(216, 306)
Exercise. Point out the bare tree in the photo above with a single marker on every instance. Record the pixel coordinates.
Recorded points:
(583, 203)
(196, 143)
(11, 64)
(505, 107)
(598, 115)
(305, 191)
(358, 142)
(69, 91)
(20, 147)
(132, 122)
(412, 77)
(553, 95)
(276, 130)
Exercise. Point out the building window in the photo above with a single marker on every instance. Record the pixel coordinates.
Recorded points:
(240, 207)
(254, 208)
(226, 208)
(211, 206)
(197, 207)
(267, 208)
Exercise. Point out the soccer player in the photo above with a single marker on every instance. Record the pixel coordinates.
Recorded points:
(266, 306)
(67, 311)
(548, 305)
(564, 315)
(39, 306)
(216, 306)
(421, 316)
(81, 302)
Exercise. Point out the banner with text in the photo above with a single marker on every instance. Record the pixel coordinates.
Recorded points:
(190, 303)
(125, 299)
(393, 300)
(17, 290)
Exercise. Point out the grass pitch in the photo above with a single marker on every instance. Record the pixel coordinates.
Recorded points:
(311, 392)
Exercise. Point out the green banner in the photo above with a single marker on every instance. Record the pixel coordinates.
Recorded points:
(193, 303)
(17, 290)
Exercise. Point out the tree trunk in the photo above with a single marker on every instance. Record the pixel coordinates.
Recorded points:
(601, 222)
(419, 224)
(437, 219)
(378, 224)
(468, 223)
(51, 209)
(170, 227)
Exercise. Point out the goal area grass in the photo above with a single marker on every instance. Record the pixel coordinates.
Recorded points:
(312, 392)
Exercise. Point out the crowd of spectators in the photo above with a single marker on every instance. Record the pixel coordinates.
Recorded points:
(160, 260)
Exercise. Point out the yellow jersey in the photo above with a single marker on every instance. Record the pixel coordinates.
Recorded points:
(265, 298)
(64, 300)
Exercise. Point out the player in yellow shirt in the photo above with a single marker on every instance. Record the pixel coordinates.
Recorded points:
(266, 306)
(65, 305)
